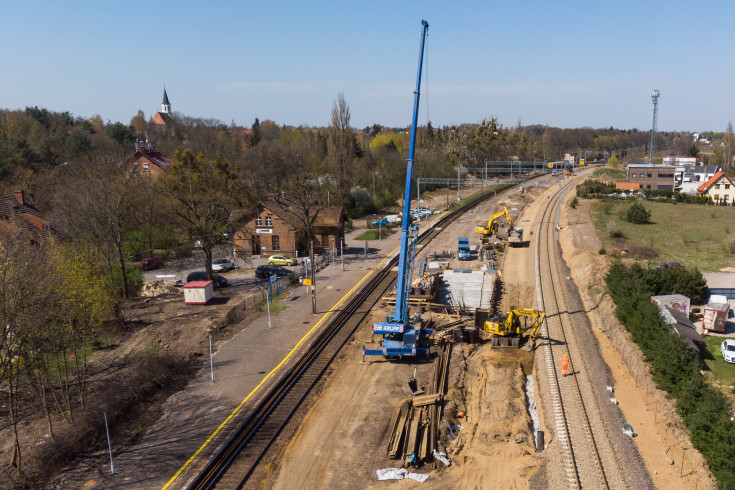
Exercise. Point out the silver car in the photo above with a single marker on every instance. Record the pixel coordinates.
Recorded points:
(222, 265)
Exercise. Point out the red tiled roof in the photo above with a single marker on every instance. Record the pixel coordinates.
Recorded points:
(627, 186)
(710, 182)
(22, 220)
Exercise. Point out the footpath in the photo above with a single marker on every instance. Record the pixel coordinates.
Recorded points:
(195, 421)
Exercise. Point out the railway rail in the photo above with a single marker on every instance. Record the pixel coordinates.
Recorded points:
(235, 461)
(593, 452)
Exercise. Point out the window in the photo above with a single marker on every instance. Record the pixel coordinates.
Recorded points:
(46, 227)
(717, 186)
(725, 197)
(268, 221)
(258, 221)
(649, 175)
(325, 240)
(717, 197)
(276, 241)
(145, 167)
(727, 186)
(633, 175)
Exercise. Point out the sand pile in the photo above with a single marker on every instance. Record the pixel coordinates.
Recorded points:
(158, 288)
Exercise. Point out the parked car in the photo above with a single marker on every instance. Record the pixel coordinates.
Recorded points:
(151, 263)
(265, 271)
(670, 265)
(217, 280)
(380, 222)
(728, 350)
(282, 260)
(222, 265)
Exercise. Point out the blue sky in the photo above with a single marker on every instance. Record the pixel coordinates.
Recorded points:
(562, 63)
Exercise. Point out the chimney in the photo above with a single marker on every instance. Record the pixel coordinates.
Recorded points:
(19, 196)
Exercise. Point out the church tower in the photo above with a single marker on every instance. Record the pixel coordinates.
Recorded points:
(165, 105)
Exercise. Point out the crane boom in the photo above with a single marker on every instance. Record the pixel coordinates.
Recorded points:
(402, 338)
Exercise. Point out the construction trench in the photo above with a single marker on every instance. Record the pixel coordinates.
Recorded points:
(464, 405)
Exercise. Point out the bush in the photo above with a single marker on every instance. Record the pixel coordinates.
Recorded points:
(638, 214)
(602, 251)
(573, 203)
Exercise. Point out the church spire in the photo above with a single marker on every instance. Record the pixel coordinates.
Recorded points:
(165, 105)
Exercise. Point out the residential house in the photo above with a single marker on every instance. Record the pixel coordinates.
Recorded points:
(272, 229)
(21, 220)
(148, 160)
(702, 173)
(719, 188)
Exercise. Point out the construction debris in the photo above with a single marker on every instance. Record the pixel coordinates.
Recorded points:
(400, 474)
(415, 428)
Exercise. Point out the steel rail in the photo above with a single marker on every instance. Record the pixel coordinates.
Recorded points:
(570, 458)
(289, 391)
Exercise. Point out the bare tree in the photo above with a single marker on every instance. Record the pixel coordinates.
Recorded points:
(340, 150)
(729, 146)
(97, 207)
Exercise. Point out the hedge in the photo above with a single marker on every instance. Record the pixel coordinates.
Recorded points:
(676, 368)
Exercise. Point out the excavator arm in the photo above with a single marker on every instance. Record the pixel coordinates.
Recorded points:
(489, 230)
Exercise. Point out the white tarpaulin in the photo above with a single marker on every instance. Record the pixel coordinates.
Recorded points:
(399, 474)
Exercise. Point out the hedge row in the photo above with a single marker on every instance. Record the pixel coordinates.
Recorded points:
(676, 368)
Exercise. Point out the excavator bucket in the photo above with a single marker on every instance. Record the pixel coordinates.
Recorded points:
(529, 345)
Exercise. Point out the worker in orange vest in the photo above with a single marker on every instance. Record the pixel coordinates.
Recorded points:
(564, 364)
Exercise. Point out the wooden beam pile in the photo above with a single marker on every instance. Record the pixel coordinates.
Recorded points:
(415, 429)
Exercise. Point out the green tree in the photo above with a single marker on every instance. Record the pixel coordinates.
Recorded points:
(120, 133)
(255, 133)
(693, 150)
(613, 162)
(638, 214)
(201, 198)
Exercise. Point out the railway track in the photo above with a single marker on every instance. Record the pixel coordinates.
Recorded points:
(232, 465)
(593, 452)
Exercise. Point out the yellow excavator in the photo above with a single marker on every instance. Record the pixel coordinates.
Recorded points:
(492, 226)
(508, 329)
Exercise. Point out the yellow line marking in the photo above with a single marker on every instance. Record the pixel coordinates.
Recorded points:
(237, 409)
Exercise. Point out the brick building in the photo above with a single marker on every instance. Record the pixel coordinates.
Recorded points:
(148, 160)
(653, 177)
(163, 117)
(272, 228)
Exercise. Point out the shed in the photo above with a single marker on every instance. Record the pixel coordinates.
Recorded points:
(676, 301)
(198, 292)
(683, 326)
(715, 316)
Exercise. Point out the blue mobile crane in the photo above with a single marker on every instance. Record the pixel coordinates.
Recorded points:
(403, 336)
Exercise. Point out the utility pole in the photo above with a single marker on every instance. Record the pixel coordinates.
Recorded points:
(313, 276)
(654, 97)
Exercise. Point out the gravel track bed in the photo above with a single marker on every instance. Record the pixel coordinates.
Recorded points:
(621, 462)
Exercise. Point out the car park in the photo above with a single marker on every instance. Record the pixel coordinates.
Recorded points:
(265, 271)
(217, 280)
(282, 260)
(222, 265)
(150, 263)
(728, 350)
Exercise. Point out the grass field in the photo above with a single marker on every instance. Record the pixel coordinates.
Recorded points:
(695, 235)
(373, 234)
(723, 373)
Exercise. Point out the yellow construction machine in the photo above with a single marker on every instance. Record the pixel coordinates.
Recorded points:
(508, 329)
(492, 226)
